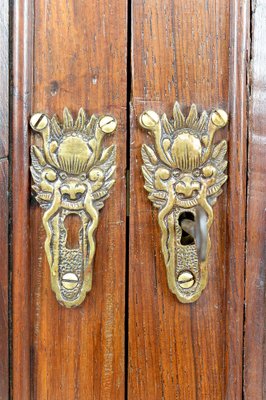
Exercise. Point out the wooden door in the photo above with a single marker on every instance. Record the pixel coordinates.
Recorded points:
(68, 54)
(131, 338)
(188, 50)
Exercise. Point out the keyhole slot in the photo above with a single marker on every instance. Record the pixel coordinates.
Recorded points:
(73, 225)
(186, 238)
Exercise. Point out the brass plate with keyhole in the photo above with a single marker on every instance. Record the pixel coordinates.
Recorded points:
(72, 174)
(184, 173)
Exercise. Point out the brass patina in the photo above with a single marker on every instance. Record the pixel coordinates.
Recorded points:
(184, 173)
(72, 174)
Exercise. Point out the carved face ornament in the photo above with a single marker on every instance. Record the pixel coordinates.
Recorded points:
(184, 172)
(72, 175)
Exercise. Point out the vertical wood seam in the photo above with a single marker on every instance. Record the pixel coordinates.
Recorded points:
(248, 94)
(128, 127)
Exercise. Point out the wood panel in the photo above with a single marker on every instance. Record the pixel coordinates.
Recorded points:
(255, 351)
(4, 362)
(181, 51)
(80, 61)
(4, 77)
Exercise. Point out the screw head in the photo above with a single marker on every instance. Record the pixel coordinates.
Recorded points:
(39, 121)
(219, 118)
(108, 124)
(186, 279)
(69, 280)
(149, 119)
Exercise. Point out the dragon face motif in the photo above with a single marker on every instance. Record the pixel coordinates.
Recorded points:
(72, 174)
(184, 172)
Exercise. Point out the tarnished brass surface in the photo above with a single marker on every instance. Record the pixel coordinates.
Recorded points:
(184, 173)
(72, 174)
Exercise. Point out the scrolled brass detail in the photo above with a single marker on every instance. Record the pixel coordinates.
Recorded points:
(184, 173)
(72, 174)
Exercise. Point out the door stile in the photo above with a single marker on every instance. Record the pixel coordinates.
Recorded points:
(236, 206)
(4, 199)
(21, 109)
(255, 306)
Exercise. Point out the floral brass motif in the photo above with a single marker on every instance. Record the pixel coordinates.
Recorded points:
(72, 174)
(184, 173)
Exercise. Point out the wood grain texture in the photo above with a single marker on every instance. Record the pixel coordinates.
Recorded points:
(180, 51)
(4, 209)
(80, 61)
(236, 200)
(21, 101)
(255, 351)
(4, 362)
(4, 77)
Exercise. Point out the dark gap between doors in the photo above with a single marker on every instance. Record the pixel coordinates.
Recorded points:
(129, 87)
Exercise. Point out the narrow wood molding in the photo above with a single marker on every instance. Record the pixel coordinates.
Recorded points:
(4, 198)
(236, 205)
(255, 300)
(21, 103)
(4, 362)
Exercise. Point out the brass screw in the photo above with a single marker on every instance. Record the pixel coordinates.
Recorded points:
(219, 118)
(39, 121)
(149, 119)
(69, 280)
(186, 279)
(108, 124)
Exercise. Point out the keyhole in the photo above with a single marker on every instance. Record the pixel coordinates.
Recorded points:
(73, 225)
(186, 238)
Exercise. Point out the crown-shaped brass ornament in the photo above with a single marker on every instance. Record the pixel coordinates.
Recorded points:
(72, 174)
(184, 173)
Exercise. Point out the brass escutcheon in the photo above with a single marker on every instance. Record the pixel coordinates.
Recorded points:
(72, 174)
(184, 173)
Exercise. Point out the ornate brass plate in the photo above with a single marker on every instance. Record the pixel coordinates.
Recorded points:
(72, 174)
(184, 173)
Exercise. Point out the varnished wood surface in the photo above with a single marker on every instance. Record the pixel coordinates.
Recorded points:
(190, 51)
(21, 101)
(80, 61)
(4, 198)
(255, 351)
(4, 77)
(4, 364)
(236, 199)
